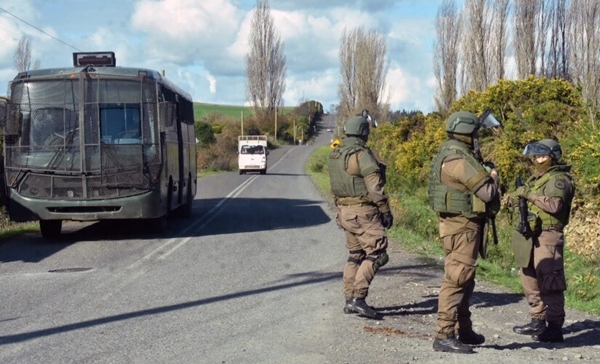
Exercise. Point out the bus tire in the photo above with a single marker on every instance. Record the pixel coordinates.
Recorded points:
(50, 228)
(170, 196)
(186, 208)
(159, 224)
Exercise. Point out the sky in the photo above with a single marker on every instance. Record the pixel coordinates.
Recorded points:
(201, 44)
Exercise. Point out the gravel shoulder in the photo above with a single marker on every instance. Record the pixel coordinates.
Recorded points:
(406, 291)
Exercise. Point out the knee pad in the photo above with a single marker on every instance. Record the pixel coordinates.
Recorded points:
(356, 256)
(379, 260)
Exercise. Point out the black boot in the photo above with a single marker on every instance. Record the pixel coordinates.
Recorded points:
(349, 307)
(552, 334)
(360, 306)
(470, 337)
(535, 327)
(451, 345)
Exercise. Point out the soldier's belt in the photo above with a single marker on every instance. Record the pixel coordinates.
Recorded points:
(360, 204)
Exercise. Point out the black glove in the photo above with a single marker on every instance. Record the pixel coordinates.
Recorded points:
(387, 220)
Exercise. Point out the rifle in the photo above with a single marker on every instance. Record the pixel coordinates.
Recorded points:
(524, 228)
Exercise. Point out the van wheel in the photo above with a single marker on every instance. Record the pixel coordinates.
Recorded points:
(242, 172)
(263, 171)
(50, 228)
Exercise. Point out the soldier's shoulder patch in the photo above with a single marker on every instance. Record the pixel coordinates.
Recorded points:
(560, 184)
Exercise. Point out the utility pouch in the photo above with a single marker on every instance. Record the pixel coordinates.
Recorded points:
(554, 282)
(522, 248)
(478, 206)
(535, 223)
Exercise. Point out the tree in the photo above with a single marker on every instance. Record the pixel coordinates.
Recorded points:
(22, 56)
(526, 12)
(265, 65)
(558, 52)
(445, 61)
(475, 46)
(363, 69)
(585, 56)
(498, 39)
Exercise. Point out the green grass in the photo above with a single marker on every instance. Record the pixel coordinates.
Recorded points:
(416, 231)
(9, 229)
(230, 111)
(317, 168)
(201, 109)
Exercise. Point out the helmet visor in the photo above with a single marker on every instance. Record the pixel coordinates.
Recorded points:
(488, 120)
(535, 149)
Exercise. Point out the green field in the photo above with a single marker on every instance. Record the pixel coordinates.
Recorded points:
(231, 111)
(201, 109)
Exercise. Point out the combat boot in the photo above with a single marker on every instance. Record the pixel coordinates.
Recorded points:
(349, 307)
(360, 306)
(470, 337)
(451, 345)
(552, 334)
(535, 327)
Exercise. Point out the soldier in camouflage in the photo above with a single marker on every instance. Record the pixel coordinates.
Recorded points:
(357, 183)
(460, 190)
(549, 193)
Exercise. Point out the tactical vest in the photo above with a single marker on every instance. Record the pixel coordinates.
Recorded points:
(444, 199)
(344, 184)
(541, 186)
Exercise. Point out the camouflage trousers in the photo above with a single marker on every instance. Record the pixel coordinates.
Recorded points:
(459, 283)
(365, 238)
(544, 280)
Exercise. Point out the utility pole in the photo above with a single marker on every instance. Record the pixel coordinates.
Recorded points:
(275, 123)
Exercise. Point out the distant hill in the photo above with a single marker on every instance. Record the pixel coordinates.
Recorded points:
(201, 109)
(233, 111)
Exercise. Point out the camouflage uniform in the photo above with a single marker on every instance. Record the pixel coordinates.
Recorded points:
(460, 188)
(461, 234)
(549, 195)
(357, 184)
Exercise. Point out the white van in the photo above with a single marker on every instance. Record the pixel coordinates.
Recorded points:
(252, 153)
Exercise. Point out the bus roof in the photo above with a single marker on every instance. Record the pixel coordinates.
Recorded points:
(108, 71)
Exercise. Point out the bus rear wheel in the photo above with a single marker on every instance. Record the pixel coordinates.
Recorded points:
(50, 228)
(186, 208)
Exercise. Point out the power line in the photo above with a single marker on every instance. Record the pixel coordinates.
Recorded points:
(33, 26)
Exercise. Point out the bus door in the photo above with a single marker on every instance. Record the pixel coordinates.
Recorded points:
(180, 151)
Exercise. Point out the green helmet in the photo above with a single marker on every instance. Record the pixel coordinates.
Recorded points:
(463, 122)
(549, 147)
(356, 125)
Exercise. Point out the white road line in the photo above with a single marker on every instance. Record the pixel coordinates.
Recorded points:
(161, 252)
(212, 213)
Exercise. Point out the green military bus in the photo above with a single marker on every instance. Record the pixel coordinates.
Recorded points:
(95, 142)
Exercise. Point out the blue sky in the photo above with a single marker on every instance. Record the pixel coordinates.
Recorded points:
(201, 44)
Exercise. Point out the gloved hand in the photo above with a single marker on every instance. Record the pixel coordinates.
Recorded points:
(387, 220)
(523, 191)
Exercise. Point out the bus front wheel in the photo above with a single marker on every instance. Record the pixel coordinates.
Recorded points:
(50, 228)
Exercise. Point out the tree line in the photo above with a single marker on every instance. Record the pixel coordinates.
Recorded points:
(489, 40)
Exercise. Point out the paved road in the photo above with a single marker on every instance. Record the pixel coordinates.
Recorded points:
(253, 277)
(250, 278)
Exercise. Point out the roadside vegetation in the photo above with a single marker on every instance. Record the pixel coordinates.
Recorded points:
(529, 109)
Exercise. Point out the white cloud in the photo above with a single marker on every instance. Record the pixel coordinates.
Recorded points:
(212, 83)
(202, 44)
